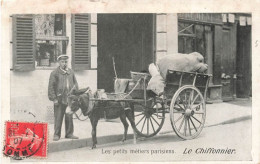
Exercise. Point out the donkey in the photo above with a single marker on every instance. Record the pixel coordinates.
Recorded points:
(111, 110)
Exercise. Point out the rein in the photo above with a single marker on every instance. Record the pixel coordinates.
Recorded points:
(78, 116)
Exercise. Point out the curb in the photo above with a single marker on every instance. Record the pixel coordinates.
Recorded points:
(231, 121)
(69, 144)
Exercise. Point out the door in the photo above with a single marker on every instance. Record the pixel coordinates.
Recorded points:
(244, 62)
(129, 38)
(196, 37)
(228, 61)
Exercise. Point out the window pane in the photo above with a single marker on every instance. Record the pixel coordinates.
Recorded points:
(44, 25)
(200, 40)
(48, 51)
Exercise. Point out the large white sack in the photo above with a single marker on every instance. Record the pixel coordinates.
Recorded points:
(156, 83)
(193, 62)
(153, 69)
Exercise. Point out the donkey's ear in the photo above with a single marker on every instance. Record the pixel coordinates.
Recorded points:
(82, 96)
(81, 91)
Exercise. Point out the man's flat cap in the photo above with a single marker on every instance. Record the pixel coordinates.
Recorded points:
(62, 57)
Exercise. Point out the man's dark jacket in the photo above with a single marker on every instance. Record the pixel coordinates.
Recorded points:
(57, 89)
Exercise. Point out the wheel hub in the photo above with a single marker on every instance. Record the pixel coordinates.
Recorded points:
(189, 112)
(148, 113)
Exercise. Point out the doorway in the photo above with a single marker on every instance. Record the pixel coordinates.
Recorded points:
(244, 62)
(129, 38)
(228, 61)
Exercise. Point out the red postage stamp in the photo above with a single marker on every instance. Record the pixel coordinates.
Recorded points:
(25, 139)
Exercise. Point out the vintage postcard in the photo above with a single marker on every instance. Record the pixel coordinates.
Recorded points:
(130, 81)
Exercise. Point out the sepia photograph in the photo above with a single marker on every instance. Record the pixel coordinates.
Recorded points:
(129, 87)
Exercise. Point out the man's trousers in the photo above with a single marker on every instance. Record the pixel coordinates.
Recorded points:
(59, 112)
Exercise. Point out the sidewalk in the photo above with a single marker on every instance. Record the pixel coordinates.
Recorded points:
(112, 130)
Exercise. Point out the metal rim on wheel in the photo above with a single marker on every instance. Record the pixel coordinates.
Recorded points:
(149, 120)
(188, 112)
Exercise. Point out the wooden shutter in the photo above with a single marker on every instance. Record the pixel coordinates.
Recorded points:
(81, 46)
(23, 43)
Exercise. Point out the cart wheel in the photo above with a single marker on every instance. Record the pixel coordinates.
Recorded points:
(187, 112)
(148, 120)
(79, 115)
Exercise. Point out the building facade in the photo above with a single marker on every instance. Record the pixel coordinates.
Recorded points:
(133, 40)
(225, 42)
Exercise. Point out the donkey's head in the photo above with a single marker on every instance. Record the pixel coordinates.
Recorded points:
(80, 100)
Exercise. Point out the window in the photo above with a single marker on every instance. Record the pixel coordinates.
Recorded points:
(196, 37)
(39, 39)
(48, 45)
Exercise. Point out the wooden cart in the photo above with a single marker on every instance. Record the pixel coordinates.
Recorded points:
(184, 98)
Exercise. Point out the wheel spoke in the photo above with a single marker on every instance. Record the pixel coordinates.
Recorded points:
(178, 103)
(189, 125)
(181, 124)
(140, 120)
(148, 126)
(138, 114)
(178, 119)
(179, 112)
(158, 116)
(198, 112)
(184, 105)
(186, 98)
(191, 96)
(196, 119)
(181, 107)
(185, 126)
(195, 99)
(197, 105)
(152, 125)
(143, 125)
(193, 125)
(155, 121)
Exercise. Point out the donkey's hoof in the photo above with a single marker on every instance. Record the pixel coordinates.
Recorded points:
(123, 140)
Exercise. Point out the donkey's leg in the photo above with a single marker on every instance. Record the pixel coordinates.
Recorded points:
(94, 122)
(123, 120)
(130, 115)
